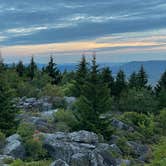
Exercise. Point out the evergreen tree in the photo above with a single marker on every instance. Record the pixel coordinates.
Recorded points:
(53, 71)
(133, 80)
(32, 69)
(80, 77)
(107, 78)
(7, 110)
(20, 68)
(94, 100)
(142, 78)
(120, 83)
(161, 85)
(2, 66)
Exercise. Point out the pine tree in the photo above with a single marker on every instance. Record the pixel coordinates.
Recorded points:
(52, 70)
(7, 109)
(32, 69)
(80, 76)
(20, 68)
(120, 83)
(142, 78)
(2, 66)
(94, 101)
(133, 80)
(107, 78)
(161, 85)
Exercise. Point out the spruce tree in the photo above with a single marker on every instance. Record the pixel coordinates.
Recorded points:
(142, 78)
(20, 68)
(120, 83)
(94, 101)
(32, 69)
(52, 70)
(80, 76)
(161, 85)
(133, 80)
(107, 78)
(7, 109)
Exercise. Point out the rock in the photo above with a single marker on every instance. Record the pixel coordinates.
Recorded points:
(69, 101)
(116, 149)
(139, 150)
(48, 114)
(84, 137)
(120, 162)
(114, 139)
(59, 163)
(121, 126)
(4, 159)
(79, 159)
(14, 147)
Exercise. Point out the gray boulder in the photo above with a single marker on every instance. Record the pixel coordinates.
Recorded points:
(139, 150)
(121, 126)
(80, 159)
(59, 163)
(84, 137)
(14, 147)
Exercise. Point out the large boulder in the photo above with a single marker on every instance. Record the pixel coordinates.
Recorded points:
(81, 148)
(14, 147)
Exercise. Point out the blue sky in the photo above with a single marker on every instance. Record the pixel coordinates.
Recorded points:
(118, 31)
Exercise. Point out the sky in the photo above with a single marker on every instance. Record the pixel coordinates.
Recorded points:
(116, 30)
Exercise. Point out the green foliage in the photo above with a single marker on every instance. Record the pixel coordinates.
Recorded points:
(142, 78)
(138, 101)
(161, 83)
(162, 121)
(143, 123)
(80, 77)
(36, 163)
(34, 149)
(20, 69)
(108, 79)
(120, 84)
(162, 98)
(51, 91)
(52, 70)
(67, 117)
(159, 153)
(32, 68)
(26, 131)
(7, 109)
(2, 140)
(94, 101)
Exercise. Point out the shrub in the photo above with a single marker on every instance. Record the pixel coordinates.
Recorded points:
(66, 116)
(162, 121)
(52, 91)
(18, 163)
(144, 123)
(34, 149)
(159, 153)
(34, 163)
(26, 131)
(141, 101)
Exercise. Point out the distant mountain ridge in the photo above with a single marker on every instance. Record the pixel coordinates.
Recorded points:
(153, 68)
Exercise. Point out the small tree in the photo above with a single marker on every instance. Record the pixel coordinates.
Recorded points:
(120, 83)
(133, 80)
(80, 77)
(32, 69)
(53, 71)
(142, 78)
(20, 68)
(161, 85)
(107, 78)
(94, 101)
(7, 109)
